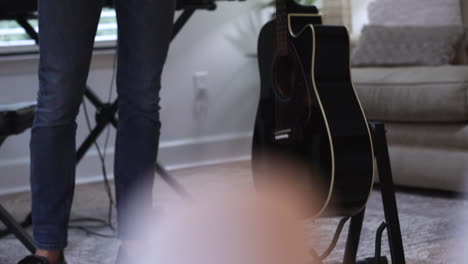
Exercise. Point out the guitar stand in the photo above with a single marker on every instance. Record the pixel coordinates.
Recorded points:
(392, 222)
(105, 116)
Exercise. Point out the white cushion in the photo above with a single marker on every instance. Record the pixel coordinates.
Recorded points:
(408, 45)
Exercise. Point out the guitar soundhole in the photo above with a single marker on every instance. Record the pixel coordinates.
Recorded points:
(286, 78)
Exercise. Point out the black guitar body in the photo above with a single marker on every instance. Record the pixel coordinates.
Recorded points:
(309, 111)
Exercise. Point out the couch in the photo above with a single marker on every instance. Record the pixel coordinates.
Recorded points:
(425, 109)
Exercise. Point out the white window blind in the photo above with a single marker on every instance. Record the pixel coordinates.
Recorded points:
(11, 34)
(337, 12)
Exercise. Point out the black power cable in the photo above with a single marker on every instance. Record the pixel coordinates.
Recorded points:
(339, 229)
(332, 246)
(377, 259)
(102, 157)
(378, 244)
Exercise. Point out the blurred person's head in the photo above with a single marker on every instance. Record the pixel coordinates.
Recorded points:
(243, 228)
(291, 179)
(261, 226)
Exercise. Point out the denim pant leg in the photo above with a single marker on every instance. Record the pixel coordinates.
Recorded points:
(145, 29)
(67, 30)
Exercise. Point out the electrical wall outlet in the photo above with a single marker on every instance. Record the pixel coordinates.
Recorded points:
(200, 80)
(201, 100)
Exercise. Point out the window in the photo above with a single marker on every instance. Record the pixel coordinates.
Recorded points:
(12, 35)
(318, 3)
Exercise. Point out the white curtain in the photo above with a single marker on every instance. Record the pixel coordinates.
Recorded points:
(337, 12)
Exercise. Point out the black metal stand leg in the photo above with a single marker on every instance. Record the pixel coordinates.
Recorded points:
(172, 182)
(16, 229)
(105, 120)
(354, 236)
(105, 110)
(388, 194)
(23, 22)
(13, 226)
(181, 21)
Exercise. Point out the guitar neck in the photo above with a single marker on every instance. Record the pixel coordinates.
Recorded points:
(282, 27)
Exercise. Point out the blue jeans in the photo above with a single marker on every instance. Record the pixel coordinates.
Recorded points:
(67, 29)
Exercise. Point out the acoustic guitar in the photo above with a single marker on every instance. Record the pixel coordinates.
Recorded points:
(310, 112)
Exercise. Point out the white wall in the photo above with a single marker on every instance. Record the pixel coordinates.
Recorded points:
(222, 133)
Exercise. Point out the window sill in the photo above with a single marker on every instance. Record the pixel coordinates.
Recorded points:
(8, 53)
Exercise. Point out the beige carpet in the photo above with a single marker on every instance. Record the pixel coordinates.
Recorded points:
(427, 222)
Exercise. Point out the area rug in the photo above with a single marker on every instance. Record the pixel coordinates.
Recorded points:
(428, 221)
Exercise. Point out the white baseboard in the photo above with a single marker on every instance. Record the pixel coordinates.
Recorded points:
(177, 154)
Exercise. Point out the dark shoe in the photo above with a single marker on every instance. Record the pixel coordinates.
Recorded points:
(33, 259)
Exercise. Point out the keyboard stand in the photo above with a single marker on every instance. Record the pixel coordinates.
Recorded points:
(106, 112)
(14, 120)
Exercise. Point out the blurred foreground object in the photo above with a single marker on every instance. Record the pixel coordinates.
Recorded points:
(230, 229)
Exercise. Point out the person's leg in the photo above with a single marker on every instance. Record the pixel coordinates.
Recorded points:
(67, 30)
(145, 29)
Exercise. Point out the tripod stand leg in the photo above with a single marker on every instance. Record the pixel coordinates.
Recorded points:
(354, 235)
(16, 229)
(95, 133)
(388, 194)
